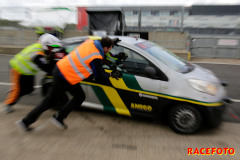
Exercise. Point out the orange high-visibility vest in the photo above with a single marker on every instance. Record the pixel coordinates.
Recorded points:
(75, 67)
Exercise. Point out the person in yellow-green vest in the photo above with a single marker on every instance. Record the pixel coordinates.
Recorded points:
(111, 59)
(26, 64)
(40, 31)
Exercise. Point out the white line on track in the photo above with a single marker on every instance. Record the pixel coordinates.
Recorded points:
(215, 63)
(10, 55)
(9, 84)
(5, 84)
(236, 100)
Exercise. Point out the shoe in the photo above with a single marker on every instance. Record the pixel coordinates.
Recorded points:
(8, 109)
(58, 122)
(23, 126)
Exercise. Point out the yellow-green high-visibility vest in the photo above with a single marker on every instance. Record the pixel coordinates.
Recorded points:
(22, 62)
(110, 58)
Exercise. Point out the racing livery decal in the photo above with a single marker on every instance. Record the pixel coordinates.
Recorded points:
(128, 82)
(110, 98)
(148, 96)
(142, 107)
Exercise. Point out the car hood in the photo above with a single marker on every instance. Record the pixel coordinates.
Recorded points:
(202, 74)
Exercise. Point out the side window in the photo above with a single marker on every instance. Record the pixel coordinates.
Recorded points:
(135, 63)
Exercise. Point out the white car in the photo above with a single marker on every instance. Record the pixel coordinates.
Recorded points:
(158, 84)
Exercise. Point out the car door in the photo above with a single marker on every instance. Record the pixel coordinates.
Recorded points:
(137, 90)
(133, 94)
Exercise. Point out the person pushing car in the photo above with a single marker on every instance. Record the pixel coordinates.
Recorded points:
(26, 64)
(78, 65)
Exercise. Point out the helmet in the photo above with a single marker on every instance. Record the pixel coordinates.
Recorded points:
(50, 40)
(39, 30)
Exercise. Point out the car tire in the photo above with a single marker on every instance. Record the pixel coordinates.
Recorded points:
(184, 118)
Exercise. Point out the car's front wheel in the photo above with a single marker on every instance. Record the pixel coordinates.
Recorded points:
(184, 118)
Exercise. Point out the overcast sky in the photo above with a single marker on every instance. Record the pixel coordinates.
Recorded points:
(68, 3)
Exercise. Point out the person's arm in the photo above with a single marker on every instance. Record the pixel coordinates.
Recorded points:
(41, 62)
(98, 71)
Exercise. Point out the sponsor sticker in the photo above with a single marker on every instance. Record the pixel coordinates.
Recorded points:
(147, 96)
(141, 107)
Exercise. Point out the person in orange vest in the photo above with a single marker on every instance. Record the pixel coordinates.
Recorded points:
(25, 65)
(78, 65)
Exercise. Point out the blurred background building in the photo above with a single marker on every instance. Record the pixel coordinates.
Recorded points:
(194, 19)
(203, 30)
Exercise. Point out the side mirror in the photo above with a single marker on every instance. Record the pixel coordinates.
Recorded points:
(150, 72)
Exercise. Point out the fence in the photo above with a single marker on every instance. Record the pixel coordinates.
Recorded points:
(12, 41)
(200, 46)
(215, 46)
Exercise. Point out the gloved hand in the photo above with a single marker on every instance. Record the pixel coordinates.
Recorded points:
(122, 66)
(122, 56)
(116, 75)
(50, 57)
(115, 41)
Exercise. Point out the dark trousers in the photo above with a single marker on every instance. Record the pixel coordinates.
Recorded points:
(60, 86)
(26, 83)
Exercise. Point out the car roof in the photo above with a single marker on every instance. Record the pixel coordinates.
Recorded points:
(124, 39)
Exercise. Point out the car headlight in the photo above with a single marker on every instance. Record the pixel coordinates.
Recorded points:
(203, 86)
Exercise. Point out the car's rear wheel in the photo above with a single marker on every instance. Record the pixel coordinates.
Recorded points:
(184, 118)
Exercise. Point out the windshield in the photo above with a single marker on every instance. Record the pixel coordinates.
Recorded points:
(165, 56)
